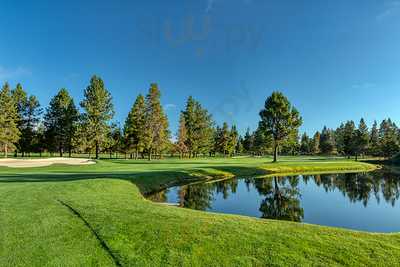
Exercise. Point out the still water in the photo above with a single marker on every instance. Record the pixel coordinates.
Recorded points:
(361, 201)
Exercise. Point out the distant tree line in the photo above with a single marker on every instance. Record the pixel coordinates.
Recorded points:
(349, 140)
(61, 128)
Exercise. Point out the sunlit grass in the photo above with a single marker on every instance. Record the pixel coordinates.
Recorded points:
(37, 230)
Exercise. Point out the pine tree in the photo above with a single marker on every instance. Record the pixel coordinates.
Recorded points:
(262, 142)
(389, 143)
(99, 110)
(373, 148)
(247, 141)
(223, 139)
(199, 126)
(134, 129)
(279, 119)
(327, 141)
(60, 123)
(182, 137)
(20, 98)
(233, 140)
(156, 126)
(360, 139)
(316, 141)
(30, 121)
(305, 144)
(9, 133)
(239, 146)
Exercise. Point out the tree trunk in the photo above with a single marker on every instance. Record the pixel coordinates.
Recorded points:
(275, 152)
(149, 155)
(97, 150)
(5, 151)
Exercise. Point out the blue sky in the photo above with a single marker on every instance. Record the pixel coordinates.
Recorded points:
(335, 60)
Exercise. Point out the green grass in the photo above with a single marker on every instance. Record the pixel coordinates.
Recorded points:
(37, 229)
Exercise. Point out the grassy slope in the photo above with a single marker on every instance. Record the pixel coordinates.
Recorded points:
(36, 229)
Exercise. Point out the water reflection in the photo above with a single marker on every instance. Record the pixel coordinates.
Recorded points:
(282, 197)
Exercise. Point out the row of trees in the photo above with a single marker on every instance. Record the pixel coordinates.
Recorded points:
(64, 129)
(351, 140)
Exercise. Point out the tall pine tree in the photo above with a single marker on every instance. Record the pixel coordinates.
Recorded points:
(99, 110)
(134, 129)
(279, 119)
(60, 123)
(156, 123)
(9, 133)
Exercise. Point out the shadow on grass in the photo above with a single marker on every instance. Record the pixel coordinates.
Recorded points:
(147, 181)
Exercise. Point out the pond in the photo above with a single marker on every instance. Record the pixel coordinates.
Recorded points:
(358, 201)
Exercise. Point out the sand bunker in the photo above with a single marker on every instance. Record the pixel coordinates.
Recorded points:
(29, 163)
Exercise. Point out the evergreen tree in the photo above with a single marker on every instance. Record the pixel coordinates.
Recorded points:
(114, 141)
(279, 119)
(39, 142)
(291, 144)
(182, 137)
(361, 139)
(199, 126)
(262, 142)
(239, 146)
(316, 141)
(60, 123)
(223, 139)
(247, 141)
(305, 144)
(9, 133)
(389, 143)
(156, 123)
(134, 129)
(20, 98)
(373, 148)
(233, 140)
(327, 141)
(30, 121)
(99, 110)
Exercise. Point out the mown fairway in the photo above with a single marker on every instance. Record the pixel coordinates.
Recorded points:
(96, 215)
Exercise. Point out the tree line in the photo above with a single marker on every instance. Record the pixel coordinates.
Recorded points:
(62, 128)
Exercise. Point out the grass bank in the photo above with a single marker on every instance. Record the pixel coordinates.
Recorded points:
(96, 215)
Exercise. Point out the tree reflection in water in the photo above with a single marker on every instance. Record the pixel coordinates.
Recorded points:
(281, 196)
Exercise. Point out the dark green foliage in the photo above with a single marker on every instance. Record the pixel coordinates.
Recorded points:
(373, 148)
(29, 112)
(99, 110)
(279, 119)
(361, 139)
(389, 139)
(344, 137)
(9, 132)
(306, 145)
(134, 128)
(327, 141)
(199, 126)
(60, 123)
(180, 145)
(156, 133)
(248, 141)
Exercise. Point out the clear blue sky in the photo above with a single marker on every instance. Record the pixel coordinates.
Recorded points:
(335, 60)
